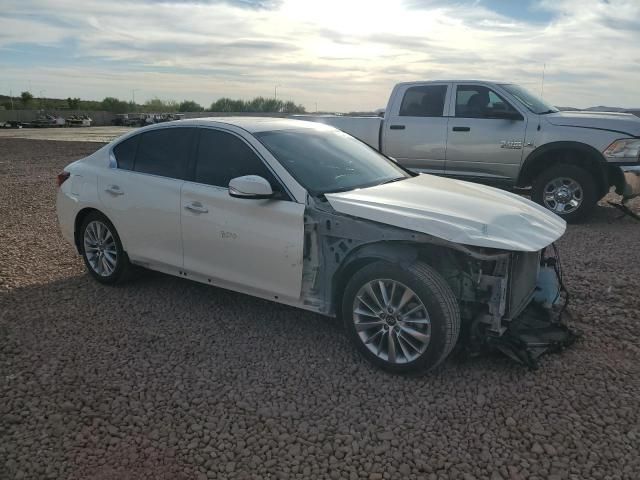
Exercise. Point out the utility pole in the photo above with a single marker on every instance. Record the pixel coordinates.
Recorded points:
(275, 92)
(11, 97)
(42, 100)
(133, 95)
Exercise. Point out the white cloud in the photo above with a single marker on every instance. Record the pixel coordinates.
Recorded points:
(342, 54)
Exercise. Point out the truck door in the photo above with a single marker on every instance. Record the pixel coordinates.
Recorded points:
(485, 136)
(415, 128)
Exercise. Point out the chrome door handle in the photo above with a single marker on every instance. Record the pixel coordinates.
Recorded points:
(114, 190)
(196, 207)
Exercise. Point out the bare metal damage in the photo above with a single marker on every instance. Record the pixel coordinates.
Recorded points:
(494, 287)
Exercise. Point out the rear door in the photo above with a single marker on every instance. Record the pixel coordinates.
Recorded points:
(481, 146)
(141, 193)
(415, 128)
(253, 246)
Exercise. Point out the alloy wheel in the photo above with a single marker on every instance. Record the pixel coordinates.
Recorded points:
(100, 248)
(391, 321)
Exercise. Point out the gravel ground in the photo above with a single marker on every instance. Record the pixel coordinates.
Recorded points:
(165, 378)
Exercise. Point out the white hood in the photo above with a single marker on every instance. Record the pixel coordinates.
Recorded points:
(457, 211)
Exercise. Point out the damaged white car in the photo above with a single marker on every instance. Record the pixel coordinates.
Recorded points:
(303, 214)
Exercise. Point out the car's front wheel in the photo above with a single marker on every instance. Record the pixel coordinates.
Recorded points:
(102, 250)
(403, 320)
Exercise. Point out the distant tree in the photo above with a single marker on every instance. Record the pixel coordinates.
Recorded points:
(73, 103)
(257, 104)
(189, 106)
(228, 105)
(114, 105)
(290, 107)
(26, 97)
(157, 105)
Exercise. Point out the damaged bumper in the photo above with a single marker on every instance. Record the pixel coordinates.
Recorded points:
(631, 185)
(534, 332)
(527, 310)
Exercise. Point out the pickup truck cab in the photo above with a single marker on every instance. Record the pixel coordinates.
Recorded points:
(502, 135)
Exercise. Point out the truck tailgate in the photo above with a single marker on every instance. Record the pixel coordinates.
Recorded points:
(366, 129)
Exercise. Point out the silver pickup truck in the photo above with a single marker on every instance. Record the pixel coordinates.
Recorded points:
(502, 135)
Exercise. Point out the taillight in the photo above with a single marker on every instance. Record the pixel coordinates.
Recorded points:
(63, 177)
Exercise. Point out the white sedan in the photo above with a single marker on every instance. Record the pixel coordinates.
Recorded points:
(303, 214)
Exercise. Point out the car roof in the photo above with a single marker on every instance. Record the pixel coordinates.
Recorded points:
(465, 80)
(251, 124)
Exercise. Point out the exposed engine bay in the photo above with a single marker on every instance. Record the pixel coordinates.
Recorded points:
(510, 301)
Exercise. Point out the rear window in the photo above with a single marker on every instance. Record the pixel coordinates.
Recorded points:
(125, 152)
(424, 101)
(164, 152)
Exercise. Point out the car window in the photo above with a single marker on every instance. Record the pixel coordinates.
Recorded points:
(164, 152)
(476, 101)
(222, 156)
(424, 101)
(324, 161)
(125, 152)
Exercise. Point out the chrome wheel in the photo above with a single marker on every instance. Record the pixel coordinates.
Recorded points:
(562, 195)
(391, 321)
(100, 248)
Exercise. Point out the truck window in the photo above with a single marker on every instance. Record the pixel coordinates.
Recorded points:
(476, 101)
(424, 101)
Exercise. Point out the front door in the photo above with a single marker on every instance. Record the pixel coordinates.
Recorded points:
(254, 246)
(415, 129)
(480, 145)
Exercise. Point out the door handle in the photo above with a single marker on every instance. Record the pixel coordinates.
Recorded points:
(114, 190)
(396, 127)
(461, 129)
(196, 207)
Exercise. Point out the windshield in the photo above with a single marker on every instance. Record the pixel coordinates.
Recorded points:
(529, 100)
(325, 161)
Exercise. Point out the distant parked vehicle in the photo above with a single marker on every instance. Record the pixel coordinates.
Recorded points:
(502, 135)
(78, 121)
(47, 121)
(303, 214)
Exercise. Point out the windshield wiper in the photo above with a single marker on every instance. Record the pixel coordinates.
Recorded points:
(547, 111)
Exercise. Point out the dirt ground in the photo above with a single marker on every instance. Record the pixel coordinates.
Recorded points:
(167, 379)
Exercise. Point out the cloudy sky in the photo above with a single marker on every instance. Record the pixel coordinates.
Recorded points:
(339, 54)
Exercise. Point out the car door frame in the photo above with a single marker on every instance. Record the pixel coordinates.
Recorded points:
(294, 192)
(391, 121)
(484, 177)
(131, 245)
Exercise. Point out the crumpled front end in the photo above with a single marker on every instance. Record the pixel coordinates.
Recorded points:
(525, 305)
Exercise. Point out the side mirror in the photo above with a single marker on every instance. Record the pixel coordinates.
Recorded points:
(251, 187)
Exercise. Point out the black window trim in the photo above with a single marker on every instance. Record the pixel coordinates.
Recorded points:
(113, 161)
(191, 166)
(498, 94)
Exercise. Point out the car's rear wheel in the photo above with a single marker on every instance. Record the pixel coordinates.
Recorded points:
(102, 250)
(567, 190)
(401, 320)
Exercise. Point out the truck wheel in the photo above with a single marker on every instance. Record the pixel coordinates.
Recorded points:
(403, 320)
(567, 190)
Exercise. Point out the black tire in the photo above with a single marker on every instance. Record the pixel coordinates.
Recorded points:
(589, 190)
(438, 300)
(123, 268)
